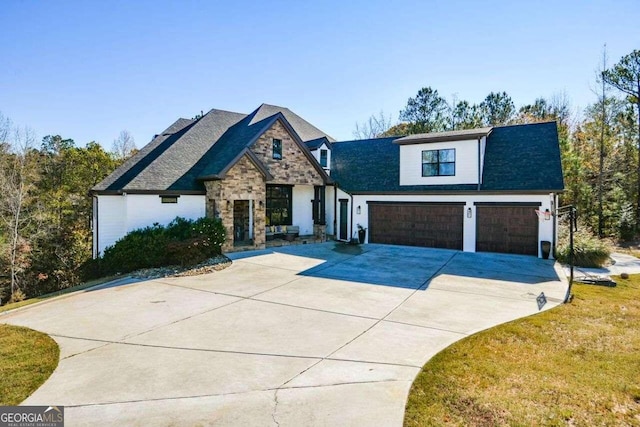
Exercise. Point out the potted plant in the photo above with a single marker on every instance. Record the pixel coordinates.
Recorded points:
(362, 234)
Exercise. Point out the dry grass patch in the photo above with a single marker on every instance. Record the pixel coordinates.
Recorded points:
(578, 364)
(27, 359)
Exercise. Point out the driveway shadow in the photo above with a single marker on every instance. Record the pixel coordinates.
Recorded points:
(413, 267)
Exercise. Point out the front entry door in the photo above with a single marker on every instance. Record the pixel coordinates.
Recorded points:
(343, 219)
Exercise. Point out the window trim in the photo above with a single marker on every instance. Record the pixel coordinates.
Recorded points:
(276, 152)
(326, 158)
(169, 199)
(289, 207)
(438, 162)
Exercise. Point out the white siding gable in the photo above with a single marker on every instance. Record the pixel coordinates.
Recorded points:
(466, 163)
(316, 154)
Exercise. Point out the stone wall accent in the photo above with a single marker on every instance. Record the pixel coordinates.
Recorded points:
(294, 168)
(320, 232)
(242, 182)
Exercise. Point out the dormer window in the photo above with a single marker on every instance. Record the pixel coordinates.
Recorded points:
(439, 162)
(323, 158)
(277, 149)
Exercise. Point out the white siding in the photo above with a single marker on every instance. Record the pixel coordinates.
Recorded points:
(545, 230)
(330, 209)
(466, 163)
(144, 210)
(303, 209)
(316, 154)
(118, 215)
(111, 220)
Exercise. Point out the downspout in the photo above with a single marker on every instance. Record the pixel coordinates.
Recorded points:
(479, 163)
(351, 229)
(96, 229)
(554, 200)
(335, 212)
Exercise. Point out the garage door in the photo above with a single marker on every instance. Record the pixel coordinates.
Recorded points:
(509, 229)
(416, 224)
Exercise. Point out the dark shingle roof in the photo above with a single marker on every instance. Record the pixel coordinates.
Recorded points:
(314, 144)
(517, 158)
(305, 130)
(188, 149)
(136, 163)
(373, 165)
(523, 157)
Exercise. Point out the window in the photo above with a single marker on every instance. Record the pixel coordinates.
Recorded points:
(439, 162)
(279, 204)
(169, 199)
(323, 158)
(277, 149)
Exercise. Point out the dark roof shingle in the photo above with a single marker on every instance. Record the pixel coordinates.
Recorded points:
(517, 158)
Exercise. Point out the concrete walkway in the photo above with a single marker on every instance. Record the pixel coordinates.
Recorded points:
(321, 334)
(622, 263)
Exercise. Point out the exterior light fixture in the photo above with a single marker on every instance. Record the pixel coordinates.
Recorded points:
(547, 215)
(358, 210)
(469, 213)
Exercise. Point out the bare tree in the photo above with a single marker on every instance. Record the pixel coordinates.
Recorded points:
(17, 180)
(124, 146)
(375, 127)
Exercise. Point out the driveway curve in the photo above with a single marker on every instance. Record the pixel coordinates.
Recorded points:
(325, 334)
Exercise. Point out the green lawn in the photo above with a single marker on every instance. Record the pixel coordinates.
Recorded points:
(27, 359)
(578, 364)
(80, 287)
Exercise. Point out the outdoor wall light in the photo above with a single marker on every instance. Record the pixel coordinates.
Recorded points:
(358, 210)
(547, 215)
(469, 213)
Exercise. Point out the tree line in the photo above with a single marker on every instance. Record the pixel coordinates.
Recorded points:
(599, 147)
(45, 208)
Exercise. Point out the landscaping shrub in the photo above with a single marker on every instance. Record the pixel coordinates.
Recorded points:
(589, 250)
(189, 252)
(184, 242)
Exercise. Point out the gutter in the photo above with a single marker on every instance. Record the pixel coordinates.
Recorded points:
(479, 163)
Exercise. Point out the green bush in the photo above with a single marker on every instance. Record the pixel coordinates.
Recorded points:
(183, 242)
(589, 251)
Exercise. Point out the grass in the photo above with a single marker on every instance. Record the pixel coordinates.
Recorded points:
(578, 364)
(79, 287)
(27, 359)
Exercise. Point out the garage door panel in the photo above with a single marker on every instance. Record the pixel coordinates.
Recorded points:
(428, 225)
(507, 229)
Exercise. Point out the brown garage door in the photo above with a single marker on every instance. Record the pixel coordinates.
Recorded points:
(416, 224)
(509, 229)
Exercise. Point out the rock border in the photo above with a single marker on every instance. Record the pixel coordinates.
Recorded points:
(211, 265)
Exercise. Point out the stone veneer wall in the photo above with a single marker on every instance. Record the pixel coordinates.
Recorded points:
(242, 182)
(245, 182)
(294, 168)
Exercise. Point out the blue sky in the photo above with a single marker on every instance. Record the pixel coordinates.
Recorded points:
(87, 70)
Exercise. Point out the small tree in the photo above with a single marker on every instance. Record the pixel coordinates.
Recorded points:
(124, 146)
(425, 113)
(375, 127)
(625, 76)
(18, 208)
(497, 109)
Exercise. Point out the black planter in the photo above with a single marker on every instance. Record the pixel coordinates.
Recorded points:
(362, 235)
(545, 248)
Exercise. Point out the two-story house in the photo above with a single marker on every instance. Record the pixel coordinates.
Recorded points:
(488, 189)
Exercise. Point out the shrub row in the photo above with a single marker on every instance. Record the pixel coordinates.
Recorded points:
(589, 251)
(182, 242)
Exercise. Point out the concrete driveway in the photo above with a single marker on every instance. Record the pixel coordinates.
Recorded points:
(307, 335)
